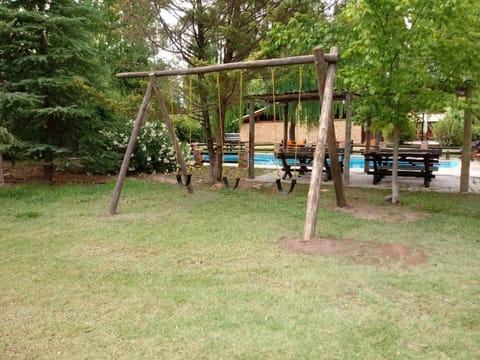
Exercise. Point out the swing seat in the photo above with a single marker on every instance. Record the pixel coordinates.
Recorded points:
(226, 184)
(180, 180)
(280, 189)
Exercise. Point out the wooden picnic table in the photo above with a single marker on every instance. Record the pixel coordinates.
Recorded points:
(301, 160)
(413, 163)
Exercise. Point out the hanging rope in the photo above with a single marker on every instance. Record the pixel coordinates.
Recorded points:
(188, 176)
(239, 145)
(190, 108)
(297, 117)
(220, 124)
(278, 181)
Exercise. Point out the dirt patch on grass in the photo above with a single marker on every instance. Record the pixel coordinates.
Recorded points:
(201, 177)
(32, 173)
(388, 213)
(27, 173)
(360, 252)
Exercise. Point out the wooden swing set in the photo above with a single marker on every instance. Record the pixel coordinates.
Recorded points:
(325, 80)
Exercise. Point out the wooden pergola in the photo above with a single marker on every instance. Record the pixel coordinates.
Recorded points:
(295, 97)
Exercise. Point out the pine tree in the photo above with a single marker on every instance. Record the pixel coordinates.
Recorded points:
(47, 59)
(7, 142)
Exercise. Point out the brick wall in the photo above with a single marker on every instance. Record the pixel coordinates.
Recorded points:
(265, 132)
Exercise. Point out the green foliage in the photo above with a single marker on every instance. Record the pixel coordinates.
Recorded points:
(153, 151)
(11, 146)
(400, 56)
(452, 43)
(382, 61)
(408, 131)
(42, 151)
(57, 95)
(299, 35)
(47, 48)
(121, 48)
(449, 130)
(7, 140)
(188, 128)
(207, 32)
(476, 130)
(306, 29)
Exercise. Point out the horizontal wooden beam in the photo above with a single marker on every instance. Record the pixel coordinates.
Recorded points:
(294, 60)
(293, 97)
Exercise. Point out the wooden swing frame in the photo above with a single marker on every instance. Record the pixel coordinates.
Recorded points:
(325, 80)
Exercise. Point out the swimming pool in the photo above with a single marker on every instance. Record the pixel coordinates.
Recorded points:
(356, 162)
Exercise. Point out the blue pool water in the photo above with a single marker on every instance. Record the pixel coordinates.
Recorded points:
(356, 162)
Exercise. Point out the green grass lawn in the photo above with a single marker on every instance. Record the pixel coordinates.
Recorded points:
(178, 276)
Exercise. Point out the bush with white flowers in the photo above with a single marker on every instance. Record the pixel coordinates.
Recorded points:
(154, 151)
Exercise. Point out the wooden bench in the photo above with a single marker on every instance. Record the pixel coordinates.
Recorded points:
(232, 142)
(412, 163)
(301, 160)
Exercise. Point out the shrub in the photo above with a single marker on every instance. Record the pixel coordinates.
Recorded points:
(188, 129)
(153, 152)
(476, 130)
(449, 131)
(407, 131)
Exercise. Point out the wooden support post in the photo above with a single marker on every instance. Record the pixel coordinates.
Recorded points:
(396, 144)
(335, 165)
(348, 138)
(285, 126)
(326, 82)
(251, 140)
(368, 139)
(467, 144)
(171, 130)
(128, 153)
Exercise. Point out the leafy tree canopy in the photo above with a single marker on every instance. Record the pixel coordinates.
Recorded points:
(48, 57)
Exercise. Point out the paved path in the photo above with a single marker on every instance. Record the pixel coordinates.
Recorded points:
(446, 180)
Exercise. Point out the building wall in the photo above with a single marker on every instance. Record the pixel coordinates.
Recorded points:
(265, 132)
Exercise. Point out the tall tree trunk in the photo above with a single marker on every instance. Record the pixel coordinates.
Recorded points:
(234, 16)
(49, 155)
(202, 43)
(224, 88)
(207, 127)
(293, 124)
(348, 138)
(396, 145)
(467, 145)
(378, 139)
(48, 172)
(286, 133)
(2, 176)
